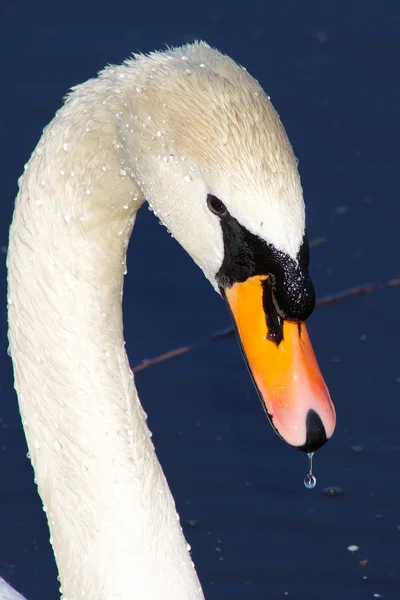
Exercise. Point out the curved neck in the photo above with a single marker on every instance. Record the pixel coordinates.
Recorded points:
(112, 519)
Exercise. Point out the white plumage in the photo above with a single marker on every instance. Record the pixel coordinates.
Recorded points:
(169, 128)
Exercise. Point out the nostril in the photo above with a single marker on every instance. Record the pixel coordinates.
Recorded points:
(293, 295)
(316, 435)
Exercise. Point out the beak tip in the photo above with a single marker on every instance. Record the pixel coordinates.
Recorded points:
(315, 433)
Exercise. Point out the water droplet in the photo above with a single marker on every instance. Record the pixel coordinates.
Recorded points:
(37, 444)
(188, 72)
(184, 58)
(106, 353)
(202, 66)
(67, 218)
(309, 480)
(122, 172)
(57, 446)
(66, 147)
(126, 206)
(39, 151)
(188, 178)
(139, 89)
(88, 191)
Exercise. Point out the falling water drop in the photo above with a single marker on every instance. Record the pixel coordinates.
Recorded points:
(309, 480)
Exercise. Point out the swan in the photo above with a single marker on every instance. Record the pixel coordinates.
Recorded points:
(193, 134)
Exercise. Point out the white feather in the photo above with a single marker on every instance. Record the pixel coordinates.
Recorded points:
(170, 128)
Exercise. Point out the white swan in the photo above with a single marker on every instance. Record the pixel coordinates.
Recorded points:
(193, 134)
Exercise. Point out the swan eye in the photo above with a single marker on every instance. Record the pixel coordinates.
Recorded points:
(216, 206)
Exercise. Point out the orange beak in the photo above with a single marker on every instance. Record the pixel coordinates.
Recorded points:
(284, 368)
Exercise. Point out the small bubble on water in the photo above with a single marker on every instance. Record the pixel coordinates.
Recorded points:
(139, 89)
(332, 491)
(309, 480)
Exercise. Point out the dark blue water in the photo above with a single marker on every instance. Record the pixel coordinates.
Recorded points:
(332, 70)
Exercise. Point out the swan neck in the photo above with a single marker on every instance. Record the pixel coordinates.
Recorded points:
(112, 518)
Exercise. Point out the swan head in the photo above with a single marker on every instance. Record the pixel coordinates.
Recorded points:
(216, 166)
